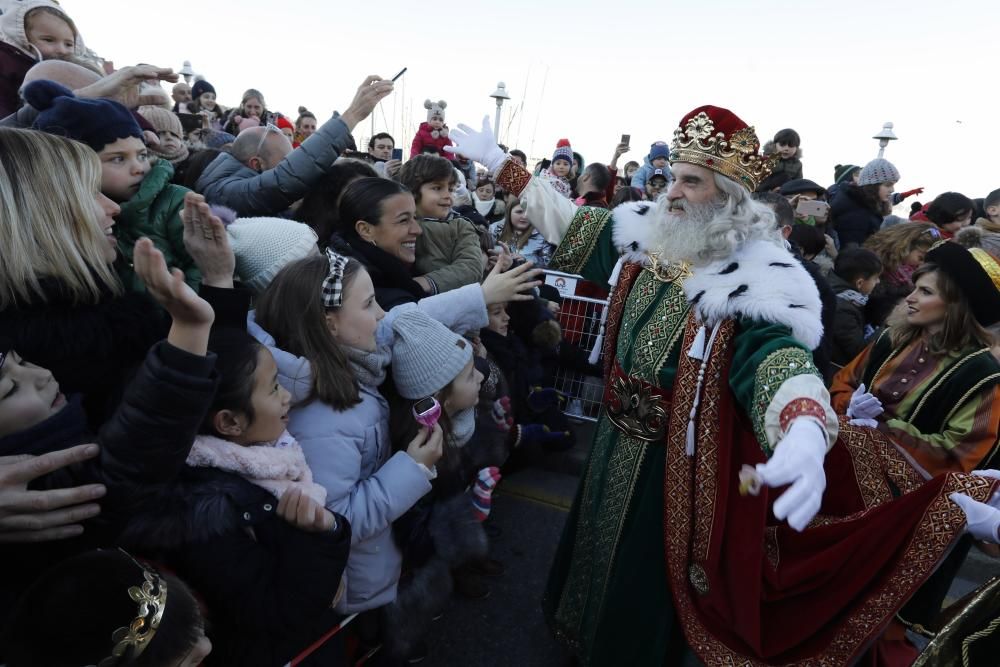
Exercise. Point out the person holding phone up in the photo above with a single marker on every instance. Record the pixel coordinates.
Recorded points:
(263, 175)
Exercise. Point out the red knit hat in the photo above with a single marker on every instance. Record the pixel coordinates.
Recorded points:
(284, 123)
(719, 140)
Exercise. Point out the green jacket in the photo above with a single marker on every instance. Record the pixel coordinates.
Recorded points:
(155, 212)
(449, 253)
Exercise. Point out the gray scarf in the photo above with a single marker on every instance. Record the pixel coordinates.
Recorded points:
(463, 425)
(369, 368)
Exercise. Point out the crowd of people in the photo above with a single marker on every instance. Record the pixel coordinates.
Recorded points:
(257, 382)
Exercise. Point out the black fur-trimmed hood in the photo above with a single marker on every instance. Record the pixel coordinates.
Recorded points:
(201, 504)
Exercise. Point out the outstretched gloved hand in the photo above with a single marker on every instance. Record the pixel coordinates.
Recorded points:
(479, 146)
(797, 460)
(982, 519)
(864, 407)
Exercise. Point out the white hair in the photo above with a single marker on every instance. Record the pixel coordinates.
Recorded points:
(704, 233)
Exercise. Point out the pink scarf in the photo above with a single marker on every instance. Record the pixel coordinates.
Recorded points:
(276, 466)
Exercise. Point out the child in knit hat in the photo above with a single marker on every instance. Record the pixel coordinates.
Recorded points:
(170, 132)
(31, 31)
(659, 153)
(558, 171)
(150, 204)
(433, 133)
(203, 102)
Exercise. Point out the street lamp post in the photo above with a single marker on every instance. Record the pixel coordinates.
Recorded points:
(500, 94)
(884, 137)
(187, 72)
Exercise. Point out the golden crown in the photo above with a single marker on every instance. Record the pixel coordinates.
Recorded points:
(736, 156)
(132, 640)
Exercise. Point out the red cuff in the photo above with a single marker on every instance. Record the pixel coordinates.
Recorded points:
(801, 407)
(513, 178)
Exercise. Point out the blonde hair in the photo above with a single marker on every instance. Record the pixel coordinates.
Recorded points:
(892, 245)
(49, 225)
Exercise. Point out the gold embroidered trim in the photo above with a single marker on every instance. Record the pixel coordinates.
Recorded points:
(776, 368)
(954, 367)
(580, 240)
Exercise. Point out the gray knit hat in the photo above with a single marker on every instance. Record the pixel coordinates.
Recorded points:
(263, 246)
(878, 171)
(426, 355)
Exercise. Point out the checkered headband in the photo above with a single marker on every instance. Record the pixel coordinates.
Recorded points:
(333, 284)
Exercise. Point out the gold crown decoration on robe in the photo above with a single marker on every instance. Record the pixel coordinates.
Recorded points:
(716, 138)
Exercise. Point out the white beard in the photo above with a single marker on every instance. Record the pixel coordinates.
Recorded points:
(680, 234)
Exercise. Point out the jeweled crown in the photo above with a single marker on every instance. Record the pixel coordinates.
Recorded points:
(717, 139)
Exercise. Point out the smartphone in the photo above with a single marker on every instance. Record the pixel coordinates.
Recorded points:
(397, 153)
(190, 121)
(426, 411)
(626, 139)
(812, 207)
(401, 73)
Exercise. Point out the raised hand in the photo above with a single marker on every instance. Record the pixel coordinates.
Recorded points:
(124, 85)
(40, 516)
(479, 146)
(372, 90)
(206, 240)
(501, 286)
(426, 446)
(168, 286)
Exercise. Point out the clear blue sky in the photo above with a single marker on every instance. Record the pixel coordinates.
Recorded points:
(835, 71)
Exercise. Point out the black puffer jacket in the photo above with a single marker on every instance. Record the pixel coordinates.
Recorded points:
(146, 442)
(268, 586)
(94, 349)
(853, 219)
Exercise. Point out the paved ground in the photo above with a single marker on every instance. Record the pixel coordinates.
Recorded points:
(507, 629)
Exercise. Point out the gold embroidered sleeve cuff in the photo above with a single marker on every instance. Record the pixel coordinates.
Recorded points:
(580, 239)
(784, 376)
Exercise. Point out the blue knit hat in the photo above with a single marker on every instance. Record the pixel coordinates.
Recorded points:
(658, 149)
(96, 122)
(200, 88)
(563, 151)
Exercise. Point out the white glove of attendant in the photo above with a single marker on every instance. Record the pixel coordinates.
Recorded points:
(864, 407)
(982, 519)
(797, 460)
(478, 146)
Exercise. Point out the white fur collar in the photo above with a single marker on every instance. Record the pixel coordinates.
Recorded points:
(633, 222)
(761, 281)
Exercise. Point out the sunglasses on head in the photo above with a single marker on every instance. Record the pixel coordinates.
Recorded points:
(269, 128)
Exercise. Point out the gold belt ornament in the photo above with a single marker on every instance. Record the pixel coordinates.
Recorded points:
(635, 409)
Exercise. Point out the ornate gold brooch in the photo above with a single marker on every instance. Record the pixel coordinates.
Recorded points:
(668, 272)
(636, 410)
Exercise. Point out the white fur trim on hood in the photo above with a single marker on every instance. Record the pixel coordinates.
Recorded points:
(633, 222)
(761, 281)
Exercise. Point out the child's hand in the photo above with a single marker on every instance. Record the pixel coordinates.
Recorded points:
(185, 307)
(501, 287)
(298, 509)
(207, 242)
(427, 446)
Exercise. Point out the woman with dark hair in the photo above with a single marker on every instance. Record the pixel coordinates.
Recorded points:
(319, 208)
(378, 225)
(858, 209)
(950, 211)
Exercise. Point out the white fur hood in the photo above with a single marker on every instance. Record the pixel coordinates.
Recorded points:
(761, 281)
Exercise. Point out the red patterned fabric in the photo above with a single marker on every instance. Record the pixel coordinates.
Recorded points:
(748, 589)
(513, 178)
(801, 407)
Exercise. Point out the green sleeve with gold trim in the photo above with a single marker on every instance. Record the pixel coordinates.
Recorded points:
(764, 356)
(587, 248)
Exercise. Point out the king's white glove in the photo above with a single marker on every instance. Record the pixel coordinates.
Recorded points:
(480, 147)
(982, 519)
(864, 407)
(797, 460)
